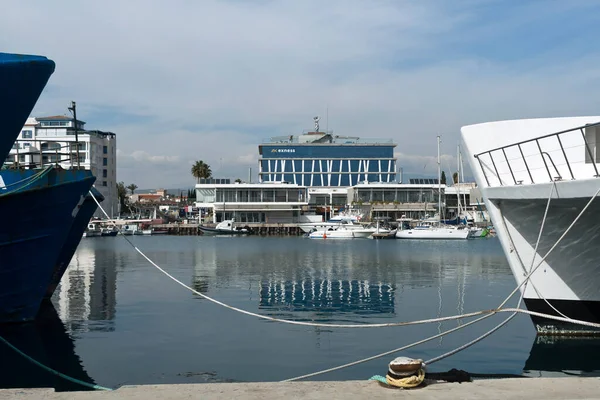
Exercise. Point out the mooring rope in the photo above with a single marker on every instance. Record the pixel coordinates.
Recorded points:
(363, 326)
(525, 271)
(25, 181)
(484, 313)
(510, 317)
(488, 333)
(31, 179)
(53, 371)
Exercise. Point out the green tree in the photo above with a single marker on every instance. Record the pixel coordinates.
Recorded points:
(201, 170)
(238, 180)
(122, 195)
(443, 178)
(132, 187)
(455, 177)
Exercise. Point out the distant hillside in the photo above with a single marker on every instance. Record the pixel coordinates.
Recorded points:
(172, 192)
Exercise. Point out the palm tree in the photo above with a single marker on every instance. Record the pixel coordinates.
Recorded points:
(132, 187)
(201, 170)
(122, 195)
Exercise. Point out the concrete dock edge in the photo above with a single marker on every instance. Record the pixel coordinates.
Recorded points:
(532, 388)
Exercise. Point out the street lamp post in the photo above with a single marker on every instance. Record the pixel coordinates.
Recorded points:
(73, 109)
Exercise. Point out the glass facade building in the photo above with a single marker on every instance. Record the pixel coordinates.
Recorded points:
(324, 160)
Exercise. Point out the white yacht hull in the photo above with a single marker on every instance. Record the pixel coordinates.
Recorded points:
(311, 227)
(341, 234)
(568, 281)
(433, 233)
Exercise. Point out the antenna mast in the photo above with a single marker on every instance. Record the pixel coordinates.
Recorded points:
(439, 139)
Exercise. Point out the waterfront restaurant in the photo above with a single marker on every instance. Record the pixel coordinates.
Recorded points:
(271, 203)
(397, 200)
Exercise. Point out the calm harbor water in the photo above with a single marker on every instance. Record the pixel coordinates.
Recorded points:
(117, 320)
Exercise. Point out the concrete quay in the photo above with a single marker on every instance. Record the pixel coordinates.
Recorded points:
(492, 389)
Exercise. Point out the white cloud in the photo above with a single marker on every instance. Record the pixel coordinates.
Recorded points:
(208, 80)
(143, 157)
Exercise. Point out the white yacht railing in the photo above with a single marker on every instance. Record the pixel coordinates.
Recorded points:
(569, 154)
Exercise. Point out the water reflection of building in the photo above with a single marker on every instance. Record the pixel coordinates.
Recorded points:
(359, 296)
(87, 291)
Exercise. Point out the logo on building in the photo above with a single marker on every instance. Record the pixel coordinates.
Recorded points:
(283, 151)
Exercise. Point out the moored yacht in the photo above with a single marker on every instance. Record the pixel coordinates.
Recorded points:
(346, 223)
(227, 227)
(536, 177)
(434, 229)
(342, 233)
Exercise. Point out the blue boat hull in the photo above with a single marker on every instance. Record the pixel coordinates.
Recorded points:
(37, 217)
(86, 211)
(22, 79)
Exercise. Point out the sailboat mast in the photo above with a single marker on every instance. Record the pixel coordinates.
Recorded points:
(462, 171)
(439, 179)
(458, 179)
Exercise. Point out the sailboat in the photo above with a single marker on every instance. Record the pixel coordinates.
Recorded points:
(435, 230)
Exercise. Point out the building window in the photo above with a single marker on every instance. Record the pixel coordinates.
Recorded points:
(79, 145)
(27, 134)
(105, 161)
(105, 150)
(104, 173)
(104, 183)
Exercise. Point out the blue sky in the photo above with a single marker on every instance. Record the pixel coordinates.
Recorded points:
(184, 80)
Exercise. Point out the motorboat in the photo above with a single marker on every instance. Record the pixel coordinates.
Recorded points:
(226, 227)
(341, 233)
(439, 232)
(539, 179)
(333, 223)
(109, 232)
(92, 230)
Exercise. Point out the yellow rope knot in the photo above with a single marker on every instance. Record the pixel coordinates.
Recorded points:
(408, 381)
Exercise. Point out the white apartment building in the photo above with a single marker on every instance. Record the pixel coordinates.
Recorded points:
(52, 140)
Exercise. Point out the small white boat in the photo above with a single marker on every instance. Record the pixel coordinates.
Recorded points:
(333, 223)
(341, 233)
(130, 229)
(109, 232)
(433, 232)
(226, 227)
(92, 230)
(475, 232)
